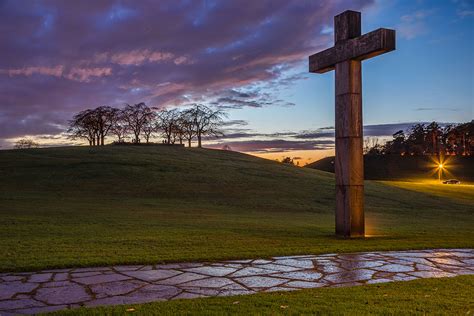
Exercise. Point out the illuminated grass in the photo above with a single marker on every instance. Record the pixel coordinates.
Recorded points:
(82, 206)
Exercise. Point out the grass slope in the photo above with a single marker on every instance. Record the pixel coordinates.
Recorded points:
(81, 206)
(391, 167)
(448, 296)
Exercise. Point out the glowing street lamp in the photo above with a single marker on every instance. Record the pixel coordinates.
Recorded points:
(440, 169)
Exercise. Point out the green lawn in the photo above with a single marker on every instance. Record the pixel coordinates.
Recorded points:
(450, 296)
(81, 206)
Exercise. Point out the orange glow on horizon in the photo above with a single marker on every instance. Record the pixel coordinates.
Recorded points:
(303, 157)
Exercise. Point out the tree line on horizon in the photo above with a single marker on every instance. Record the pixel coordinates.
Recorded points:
(139, 123)
(427, 139)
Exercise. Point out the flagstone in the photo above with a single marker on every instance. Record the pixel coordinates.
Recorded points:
(73, 293)
(260, 281)
(203, 291)
(469, 262)
(155, 291)
(213, 282)
(182, 278)
(305, 264)
(84, 274)
(394, 268)
(305, 284)
(102, 278)
(432, 274)
(116, 288)
(9, 289)
(91, 269)
(239, 261)
(127, 268)
(349, 265)
(261, 261)
(278, 267)
(446, 261)
(62, 276)
(58, 283)
(152, 275)
(252, 271)
(19, 303)
(212, 271)
(40, 309)
(306, 275)
(183, 265)
(40, 277)
(70, 288)
(9, 278)
(350, 276)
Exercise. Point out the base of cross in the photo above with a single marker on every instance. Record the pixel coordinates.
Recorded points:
(350, 221)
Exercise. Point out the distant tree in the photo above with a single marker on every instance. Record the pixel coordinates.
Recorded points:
(372, 146)
(287, 160)
(207, 122)
(120, 127)
(150, 127)
(395, 146)
(187, 126)
(168, 123)
(433, 138)
(416, 140)
(83, 125)
(226, 147)
(137, 116)
(25, 143)
(465, 133)
(105, 119)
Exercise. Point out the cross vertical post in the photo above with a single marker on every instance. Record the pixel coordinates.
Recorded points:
(349, 161)
(350, 48)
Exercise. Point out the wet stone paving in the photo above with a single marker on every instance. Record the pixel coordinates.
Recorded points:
(51, 290)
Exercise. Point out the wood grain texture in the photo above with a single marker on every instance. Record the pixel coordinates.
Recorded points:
(363, 47)
(349, 211)
(349, 161)
(347, 25)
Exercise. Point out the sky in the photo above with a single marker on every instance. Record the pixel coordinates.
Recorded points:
(249, 58)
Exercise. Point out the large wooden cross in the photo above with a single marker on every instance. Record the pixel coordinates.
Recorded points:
(350, 48)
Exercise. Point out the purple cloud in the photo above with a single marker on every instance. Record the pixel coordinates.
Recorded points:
(59, 57)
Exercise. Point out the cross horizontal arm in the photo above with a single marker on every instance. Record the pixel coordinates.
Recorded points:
(363, 47)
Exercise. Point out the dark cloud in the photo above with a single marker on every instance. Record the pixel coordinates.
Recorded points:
(381, 130)
(235, 123)
(59, 57)
(437, 109)
(319, 139)
(275, 146)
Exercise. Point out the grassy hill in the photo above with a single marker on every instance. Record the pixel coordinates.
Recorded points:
(82, 206)
(409, 168)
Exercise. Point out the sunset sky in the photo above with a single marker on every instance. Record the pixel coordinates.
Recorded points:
(246, 57)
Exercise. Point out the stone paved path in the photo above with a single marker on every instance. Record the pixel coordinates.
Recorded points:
(35, 292)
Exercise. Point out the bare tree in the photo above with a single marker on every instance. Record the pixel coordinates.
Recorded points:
(83, 125)
(178, 131)
(206, 121)
(120, 127)
(137, 116)
(105, 118)
(149, 127)
(25, 143)
(187, 126)
(168, 124)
